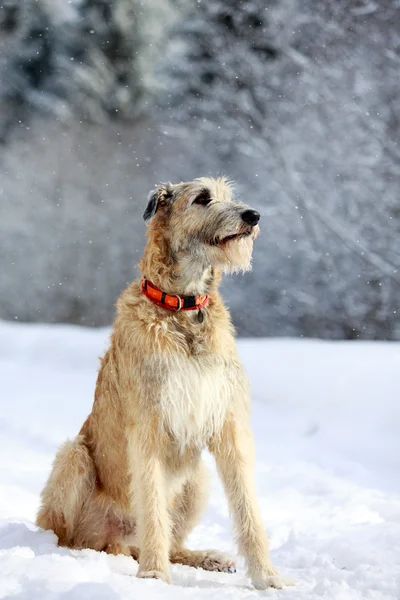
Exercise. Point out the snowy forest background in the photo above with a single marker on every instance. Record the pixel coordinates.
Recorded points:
(297, 101)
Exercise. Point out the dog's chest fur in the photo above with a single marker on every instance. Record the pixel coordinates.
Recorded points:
(194, 398)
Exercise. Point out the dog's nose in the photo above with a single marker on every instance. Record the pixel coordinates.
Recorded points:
(251, 217)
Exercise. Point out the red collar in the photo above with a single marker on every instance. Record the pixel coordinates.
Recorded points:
(172, 302)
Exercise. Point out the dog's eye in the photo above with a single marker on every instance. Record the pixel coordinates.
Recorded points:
(203, 199)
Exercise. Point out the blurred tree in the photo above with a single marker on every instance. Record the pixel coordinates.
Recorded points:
(68, 58)
(216, 70)
(301, 96)
(298, 100)
(25, 57)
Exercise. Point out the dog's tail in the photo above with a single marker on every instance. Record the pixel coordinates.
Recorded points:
(71, 482)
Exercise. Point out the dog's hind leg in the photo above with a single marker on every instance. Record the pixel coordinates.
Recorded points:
(188, 507)
(71, 483)
(122, 548)
(209, 560)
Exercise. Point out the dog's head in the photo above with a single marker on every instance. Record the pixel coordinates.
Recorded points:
(201, 221)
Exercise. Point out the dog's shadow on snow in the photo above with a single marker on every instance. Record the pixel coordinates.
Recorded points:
(26, 542)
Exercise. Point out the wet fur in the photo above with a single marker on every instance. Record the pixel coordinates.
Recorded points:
(133, 480)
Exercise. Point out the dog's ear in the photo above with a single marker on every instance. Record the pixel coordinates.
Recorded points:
(157, 198)
(151, 207)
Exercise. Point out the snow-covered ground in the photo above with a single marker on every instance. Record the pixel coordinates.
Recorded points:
(326, 417)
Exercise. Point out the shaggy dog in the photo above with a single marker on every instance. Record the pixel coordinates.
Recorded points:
(170, 385)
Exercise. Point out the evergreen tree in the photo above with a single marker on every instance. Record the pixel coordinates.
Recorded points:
(217, 69)
(81, 60)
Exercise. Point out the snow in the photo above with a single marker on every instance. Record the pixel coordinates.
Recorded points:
(326, 418)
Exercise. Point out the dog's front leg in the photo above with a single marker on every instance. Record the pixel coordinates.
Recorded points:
(150, 501)
(234, 454)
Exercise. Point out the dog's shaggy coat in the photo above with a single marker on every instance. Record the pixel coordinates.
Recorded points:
(133, 481)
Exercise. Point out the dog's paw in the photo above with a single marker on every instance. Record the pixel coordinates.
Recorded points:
(271, 581)
(269, 578)
(218, 561)
(155, 575)
(267, 582)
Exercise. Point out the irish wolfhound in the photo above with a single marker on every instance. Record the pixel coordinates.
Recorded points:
(170, 384)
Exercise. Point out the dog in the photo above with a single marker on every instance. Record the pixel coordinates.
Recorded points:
(171, 384)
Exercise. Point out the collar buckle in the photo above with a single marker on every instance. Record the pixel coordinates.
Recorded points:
(179, 307)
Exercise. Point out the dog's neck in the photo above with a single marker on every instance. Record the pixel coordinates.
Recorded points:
(191, 278)
(183, 275)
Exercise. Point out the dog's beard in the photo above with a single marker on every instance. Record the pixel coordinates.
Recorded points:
(235, 255)
(231, 257)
